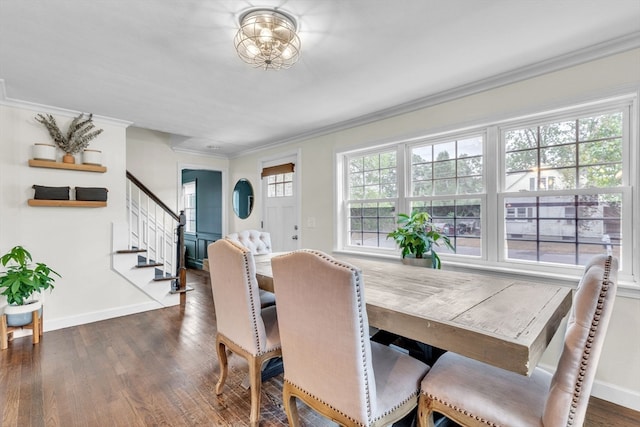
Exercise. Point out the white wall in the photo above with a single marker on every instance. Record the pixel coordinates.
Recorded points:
(151, 160)
(618, 376)
(76, 242)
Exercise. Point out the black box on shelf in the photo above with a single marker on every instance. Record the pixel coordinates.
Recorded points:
(51, 193)
(95, 194)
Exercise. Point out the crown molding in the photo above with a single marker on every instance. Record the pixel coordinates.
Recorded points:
(591, 53)
(199, 153)
(40, 108)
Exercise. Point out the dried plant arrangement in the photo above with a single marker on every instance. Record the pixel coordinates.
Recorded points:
(78, 136)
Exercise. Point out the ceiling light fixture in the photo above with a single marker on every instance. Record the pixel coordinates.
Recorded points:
(268, 39)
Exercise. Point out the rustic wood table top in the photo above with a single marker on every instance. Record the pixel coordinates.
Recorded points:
(504, 322)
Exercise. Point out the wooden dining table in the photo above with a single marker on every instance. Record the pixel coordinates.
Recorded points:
(501, 321)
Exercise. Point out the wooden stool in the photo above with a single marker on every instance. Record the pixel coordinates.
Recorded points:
(6, 332)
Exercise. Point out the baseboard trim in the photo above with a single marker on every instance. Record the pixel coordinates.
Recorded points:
(609, 392)
(615, 394)
(96, 316)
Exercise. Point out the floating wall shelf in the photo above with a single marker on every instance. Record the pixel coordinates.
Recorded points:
(69, 166)
(66, 203)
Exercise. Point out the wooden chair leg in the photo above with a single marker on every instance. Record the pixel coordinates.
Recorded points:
(290, 406)
(35, 324)
(255, 376)
(4, 344)
(425, 412)
(222, 358)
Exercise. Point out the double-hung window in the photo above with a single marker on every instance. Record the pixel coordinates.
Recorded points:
(544, 193)
(566, 176)
(371, 198)
(447, 181)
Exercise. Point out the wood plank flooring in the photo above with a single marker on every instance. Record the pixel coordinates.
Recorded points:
(157, 368)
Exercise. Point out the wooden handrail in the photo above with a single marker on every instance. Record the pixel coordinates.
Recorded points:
(152, 196)
(181, 270)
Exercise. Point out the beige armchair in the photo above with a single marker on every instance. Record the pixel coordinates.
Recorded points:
(472, 393)
(329, 362)
(243, 327)
(259, 243)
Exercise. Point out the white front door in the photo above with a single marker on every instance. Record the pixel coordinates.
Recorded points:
(280, 196)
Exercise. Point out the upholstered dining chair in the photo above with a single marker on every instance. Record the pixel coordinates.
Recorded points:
(329, 362)
(472, 393)
(259, 243)
(243, 327)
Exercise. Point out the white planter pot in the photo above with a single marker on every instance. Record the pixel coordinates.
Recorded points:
(21, 315)
(92, 157)
(44, 152)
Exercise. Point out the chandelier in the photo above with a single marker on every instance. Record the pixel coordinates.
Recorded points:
(268, 39)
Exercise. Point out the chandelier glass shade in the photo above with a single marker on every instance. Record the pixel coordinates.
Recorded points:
(268, 39)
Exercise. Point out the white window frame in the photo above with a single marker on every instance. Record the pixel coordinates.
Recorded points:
(186, 190)
(493, 229)
(343, 196)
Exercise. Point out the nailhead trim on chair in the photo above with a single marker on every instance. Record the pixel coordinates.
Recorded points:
(322, 401)
(583, 364)
(245, 259)
(462, 411)
(371, 420)
(360, 320)
(587, 350)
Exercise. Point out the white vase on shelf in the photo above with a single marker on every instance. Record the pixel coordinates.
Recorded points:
(44, 152)
(92, 157)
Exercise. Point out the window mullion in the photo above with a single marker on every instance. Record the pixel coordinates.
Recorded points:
(494, 214)
(403, 177)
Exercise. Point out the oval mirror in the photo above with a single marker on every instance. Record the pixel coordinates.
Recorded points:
(243, 198)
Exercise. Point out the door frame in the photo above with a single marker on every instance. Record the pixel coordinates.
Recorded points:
(284, 157)
(225, 177)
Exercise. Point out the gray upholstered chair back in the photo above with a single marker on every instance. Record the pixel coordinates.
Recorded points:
(258, 242)
(235, 295)
(325, 332)
(586, 329)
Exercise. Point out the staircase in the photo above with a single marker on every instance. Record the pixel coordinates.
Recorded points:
(148, 249)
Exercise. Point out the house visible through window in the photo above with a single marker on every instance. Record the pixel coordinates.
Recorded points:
(577, 163)
(558, 187)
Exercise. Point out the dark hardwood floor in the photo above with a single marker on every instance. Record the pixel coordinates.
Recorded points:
(157, 368)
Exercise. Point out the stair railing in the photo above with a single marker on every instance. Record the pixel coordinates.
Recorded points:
(157, 230)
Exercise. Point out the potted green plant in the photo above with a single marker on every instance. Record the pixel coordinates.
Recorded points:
(416, 236)
(21, 280)
(80, 133)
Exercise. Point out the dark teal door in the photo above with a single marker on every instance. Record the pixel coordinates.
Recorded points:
(208, 227)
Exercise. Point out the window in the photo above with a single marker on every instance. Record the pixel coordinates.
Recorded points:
(280, 185)
(371, 199)
(549, 191)
(279, 180)
(189, 194)
(577, 165)
(446, 181)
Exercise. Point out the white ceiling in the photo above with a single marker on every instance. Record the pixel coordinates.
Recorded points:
(170, 65)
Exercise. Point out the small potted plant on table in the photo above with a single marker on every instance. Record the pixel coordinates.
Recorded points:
(19, 282)
(416, 236)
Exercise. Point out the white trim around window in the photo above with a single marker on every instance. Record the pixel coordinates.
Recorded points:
(492, 234)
